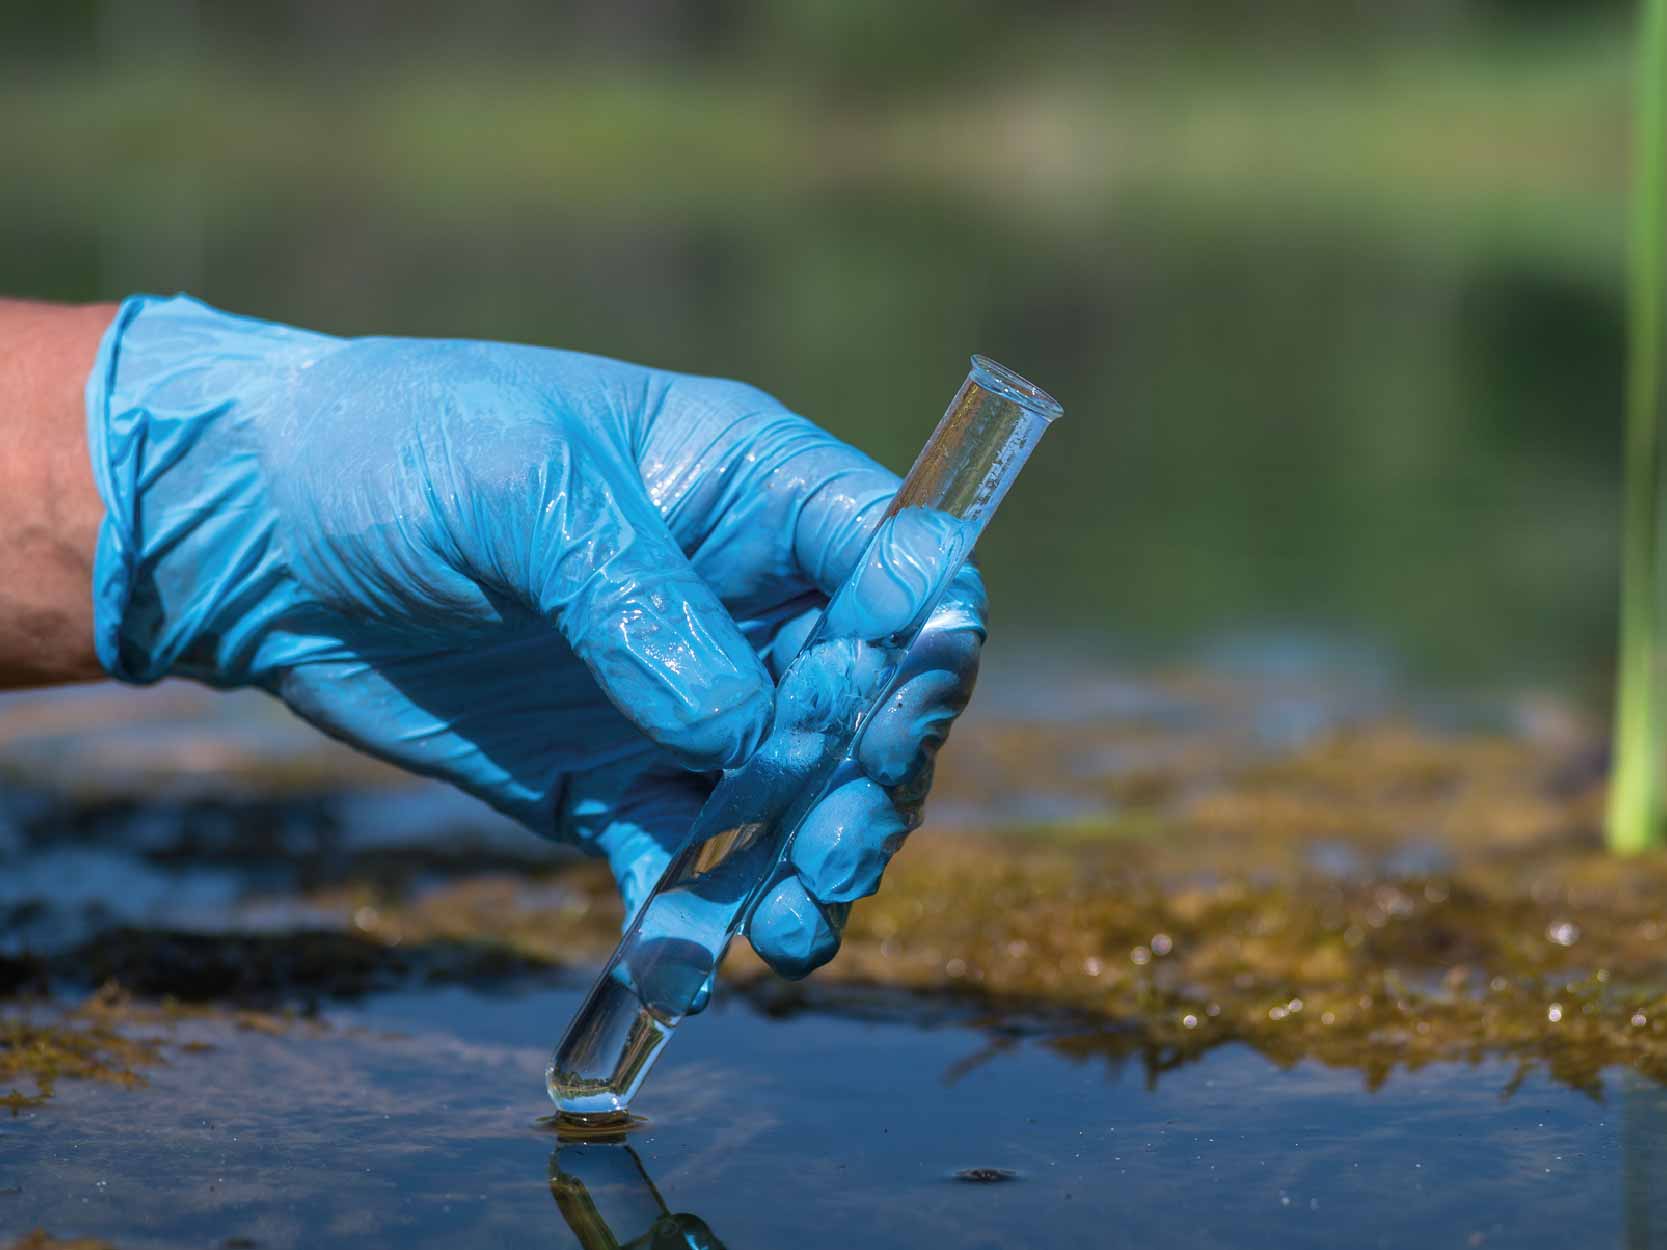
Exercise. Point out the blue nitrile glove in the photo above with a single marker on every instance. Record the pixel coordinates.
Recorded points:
(557, 581)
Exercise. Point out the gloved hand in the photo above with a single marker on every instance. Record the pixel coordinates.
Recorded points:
(558, 581)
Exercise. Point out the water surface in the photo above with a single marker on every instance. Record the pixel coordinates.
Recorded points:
(411, 1121)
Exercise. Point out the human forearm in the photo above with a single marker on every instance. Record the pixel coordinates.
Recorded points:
(49, 506)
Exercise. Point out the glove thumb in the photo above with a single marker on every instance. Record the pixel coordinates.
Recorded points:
(653, 634)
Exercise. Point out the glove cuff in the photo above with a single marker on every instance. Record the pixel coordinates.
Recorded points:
(112, 560)
(188, 575)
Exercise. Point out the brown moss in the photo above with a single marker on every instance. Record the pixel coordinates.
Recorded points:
(110, 1038)
(74, 1047)
(1518, 936)
(1377, 899)
(571, 916)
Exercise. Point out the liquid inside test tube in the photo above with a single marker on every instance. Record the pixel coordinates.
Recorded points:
(664, 965)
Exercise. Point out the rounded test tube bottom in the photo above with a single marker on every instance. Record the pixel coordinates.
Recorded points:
(593, 1075)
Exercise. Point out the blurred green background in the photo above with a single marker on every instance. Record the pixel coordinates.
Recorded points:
(1330, 291)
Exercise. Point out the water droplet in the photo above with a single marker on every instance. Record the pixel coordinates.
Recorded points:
(1162, 944)
(1639, 1019)
(1554, 1013)
(1189, 1021)
(1140, 956)
(1091, 966)
(956, 967)
(1562, 932)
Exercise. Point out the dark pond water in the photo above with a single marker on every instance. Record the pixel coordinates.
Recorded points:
(410, 1118)
(411, 1122)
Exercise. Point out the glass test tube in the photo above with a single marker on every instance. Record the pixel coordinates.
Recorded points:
(738, 847)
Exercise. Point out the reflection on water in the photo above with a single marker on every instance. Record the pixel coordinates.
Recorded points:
(610, 1203)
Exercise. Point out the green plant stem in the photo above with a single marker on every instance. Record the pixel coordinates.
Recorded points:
(1636, 819)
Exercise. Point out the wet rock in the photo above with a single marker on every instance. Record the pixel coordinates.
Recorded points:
(240, 968)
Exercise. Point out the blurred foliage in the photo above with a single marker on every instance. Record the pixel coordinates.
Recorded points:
(860, 45)
(1637, 800)
(1330, 291)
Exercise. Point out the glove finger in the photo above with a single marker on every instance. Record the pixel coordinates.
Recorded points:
(844, 496)
(770, 503)
(457, 716)
(936, 681)
(637, 814)
(767, 503)
(762, 497)
(846, 841)
(653, 634)
(902, 570)
(790, 637)
(899, 575)
(793, 933)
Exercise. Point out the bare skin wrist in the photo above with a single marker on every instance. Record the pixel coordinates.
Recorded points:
(49, 505)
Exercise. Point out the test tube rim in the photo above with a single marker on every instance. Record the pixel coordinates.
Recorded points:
(994, 376)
